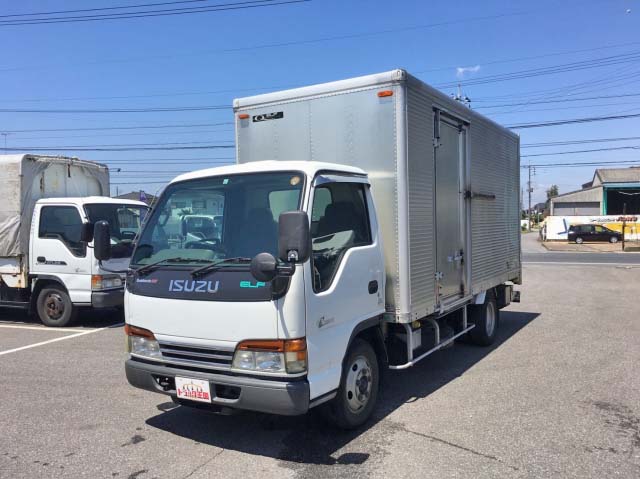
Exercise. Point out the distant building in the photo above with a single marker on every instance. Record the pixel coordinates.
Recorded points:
(138, 196)
(605, 194)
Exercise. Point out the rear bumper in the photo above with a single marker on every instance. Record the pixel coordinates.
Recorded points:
(237, 392)
(107, 299)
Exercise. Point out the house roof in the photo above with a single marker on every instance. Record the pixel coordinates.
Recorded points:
(616, 175)
(135, 195)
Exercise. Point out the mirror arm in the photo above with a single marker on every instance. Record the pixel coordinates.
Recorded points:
(286, 270)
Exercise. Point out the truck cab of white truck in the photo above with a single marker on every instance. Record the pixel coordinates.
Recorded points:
(368, 223)
(63, 274)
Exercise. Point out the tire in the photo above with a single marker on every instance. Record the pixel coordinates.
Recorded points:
(613, 239)
(54, 307)
(358, 392)
(486, 317)
(579, 240)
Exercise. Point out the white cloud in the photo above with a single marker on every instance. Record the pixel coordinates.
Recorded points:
(461, 71)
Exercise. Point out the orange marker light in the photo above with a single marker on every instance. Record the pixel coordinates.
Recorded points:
(384, 93)
(243, 116)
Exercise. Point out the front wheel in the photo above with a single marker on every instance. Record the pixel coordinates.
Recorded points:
(358, 392)
(54, 307)
(613, 239)
(579, 240)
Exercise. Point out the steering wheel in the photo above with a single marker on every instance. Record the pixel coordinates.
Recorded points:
(128, 235)
(212, 244)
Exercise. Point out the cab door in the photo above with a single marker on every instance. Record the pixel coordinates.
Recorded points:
(345, 280)
(57, 250)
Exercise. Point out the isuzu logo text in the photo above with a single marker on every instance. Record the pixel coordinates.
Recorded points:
(188, 286)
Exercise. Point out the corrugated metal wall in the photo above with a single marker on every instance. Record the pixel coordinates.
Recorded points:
(495, 230)
(421, 201)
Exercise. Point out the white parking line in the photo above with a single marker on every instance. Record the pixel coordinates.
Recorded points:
(43, 328)
(35, 345)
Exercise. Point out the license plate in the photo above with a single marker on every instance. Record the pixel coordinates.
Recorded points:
(193, 389)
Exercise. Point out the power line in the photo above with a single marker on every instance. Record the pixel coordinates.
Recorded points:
(557, 100)
(150, 13)
(520, 126)
(573, 152)
(577, 142)
(119, 110)
(554, 69)
(121, 7)
(131, 127)
(581, 164)
(145, 148)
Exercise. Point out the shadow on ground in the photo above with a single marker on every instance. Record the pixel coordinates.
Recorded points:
(307, 439)
(87, 318)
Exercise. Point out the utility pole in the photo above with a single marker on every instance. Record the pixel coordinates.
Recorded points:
(5, 134)
(529, 190)
(624, 222)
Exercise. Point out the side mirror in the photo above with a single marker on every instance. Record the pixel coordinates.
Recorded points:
(86, 233)
(264, 267)
(294, 240)
(101, 241)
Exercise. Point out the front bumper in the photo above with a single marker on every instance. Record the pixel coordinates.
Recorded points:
(238, 392)
(111, 298)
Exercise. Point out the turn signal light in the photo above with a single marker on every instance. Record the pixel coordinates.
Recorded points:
(136, 331)
(279, 345)
(383, 93)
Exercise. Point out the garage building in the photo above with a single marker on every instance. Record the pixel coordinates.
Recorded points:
(606, 194)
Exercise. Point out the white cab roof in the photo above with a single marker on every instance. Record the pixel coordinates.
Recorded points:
(91, 200)
(310, 168)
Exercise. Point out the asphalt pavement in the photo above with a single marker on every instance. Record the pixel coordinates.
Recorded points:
(558, 395)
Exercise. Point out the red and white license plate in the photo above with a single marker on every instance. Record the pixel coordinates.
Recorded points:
(193, 389)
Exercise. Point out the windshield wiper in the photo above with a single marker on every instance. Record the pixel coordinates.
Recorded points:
(218, 264)
(147, 268)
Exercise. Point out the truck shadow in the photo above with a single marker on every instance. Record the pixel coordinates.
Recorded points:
(308, 439)
(87, 318)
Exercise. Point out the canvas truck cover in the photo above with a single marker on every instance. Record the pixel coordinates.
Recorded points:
(24, 179)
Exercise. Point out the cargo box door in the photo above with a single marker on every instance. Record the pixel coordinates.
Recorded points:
(449, 151)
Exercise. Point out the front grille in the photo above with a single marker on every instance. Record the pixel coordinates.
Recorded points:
(209, 358)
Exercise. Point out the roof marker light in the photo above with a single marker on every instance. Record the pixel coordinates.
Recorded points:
(243, 116)
(384, 93)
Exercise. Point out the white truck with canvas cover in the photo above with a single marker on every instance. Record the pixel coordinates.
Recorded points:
(367, 223)
(46, 225)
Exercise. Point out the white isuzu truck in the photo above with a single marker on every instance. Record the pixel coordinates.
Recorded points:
(49, 206)
(367, 223)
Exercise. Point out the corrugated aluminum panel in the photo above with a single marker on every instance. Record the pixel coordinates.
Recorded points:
(421, 201)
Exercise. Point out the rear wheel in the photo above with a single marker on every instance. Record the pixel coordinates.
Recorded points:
(486, 318)
(613, 239)
(358, 392)
(54, 307)
(579, 240)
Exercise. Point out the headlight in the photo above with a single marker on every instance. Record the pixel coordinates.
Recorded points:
(108, 281)
(272, 356)
(142, 342)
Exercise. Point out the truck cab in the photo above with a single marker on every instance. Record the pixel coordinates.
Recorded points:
(241, 317)
(63, 272)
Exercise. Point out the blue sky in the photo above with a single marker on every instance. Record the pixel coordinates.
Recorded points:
(211, 58)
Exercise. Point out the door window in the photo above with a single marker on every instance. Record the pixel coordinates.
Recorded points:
(63, 223)
(340, 221)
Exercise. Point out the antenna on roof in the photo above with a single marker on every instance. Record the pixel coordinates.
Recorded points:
(462, 98)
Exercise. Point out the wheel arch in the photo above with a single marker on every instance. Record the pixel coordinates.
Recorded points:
(39, 283)
(370, 330)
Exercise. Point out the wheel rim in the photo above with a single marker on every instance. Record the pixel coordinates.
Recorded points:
(490, 323)
(54, 306)
(359, 384)
(579, 240)
(614, 239)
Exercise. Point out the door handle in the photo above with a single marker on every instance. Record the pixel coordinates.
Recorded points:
(41, 259)
(373, 287)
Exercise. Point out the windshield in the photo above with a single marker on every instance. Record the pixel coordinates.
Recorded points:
(124, 224)
(215, 218)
